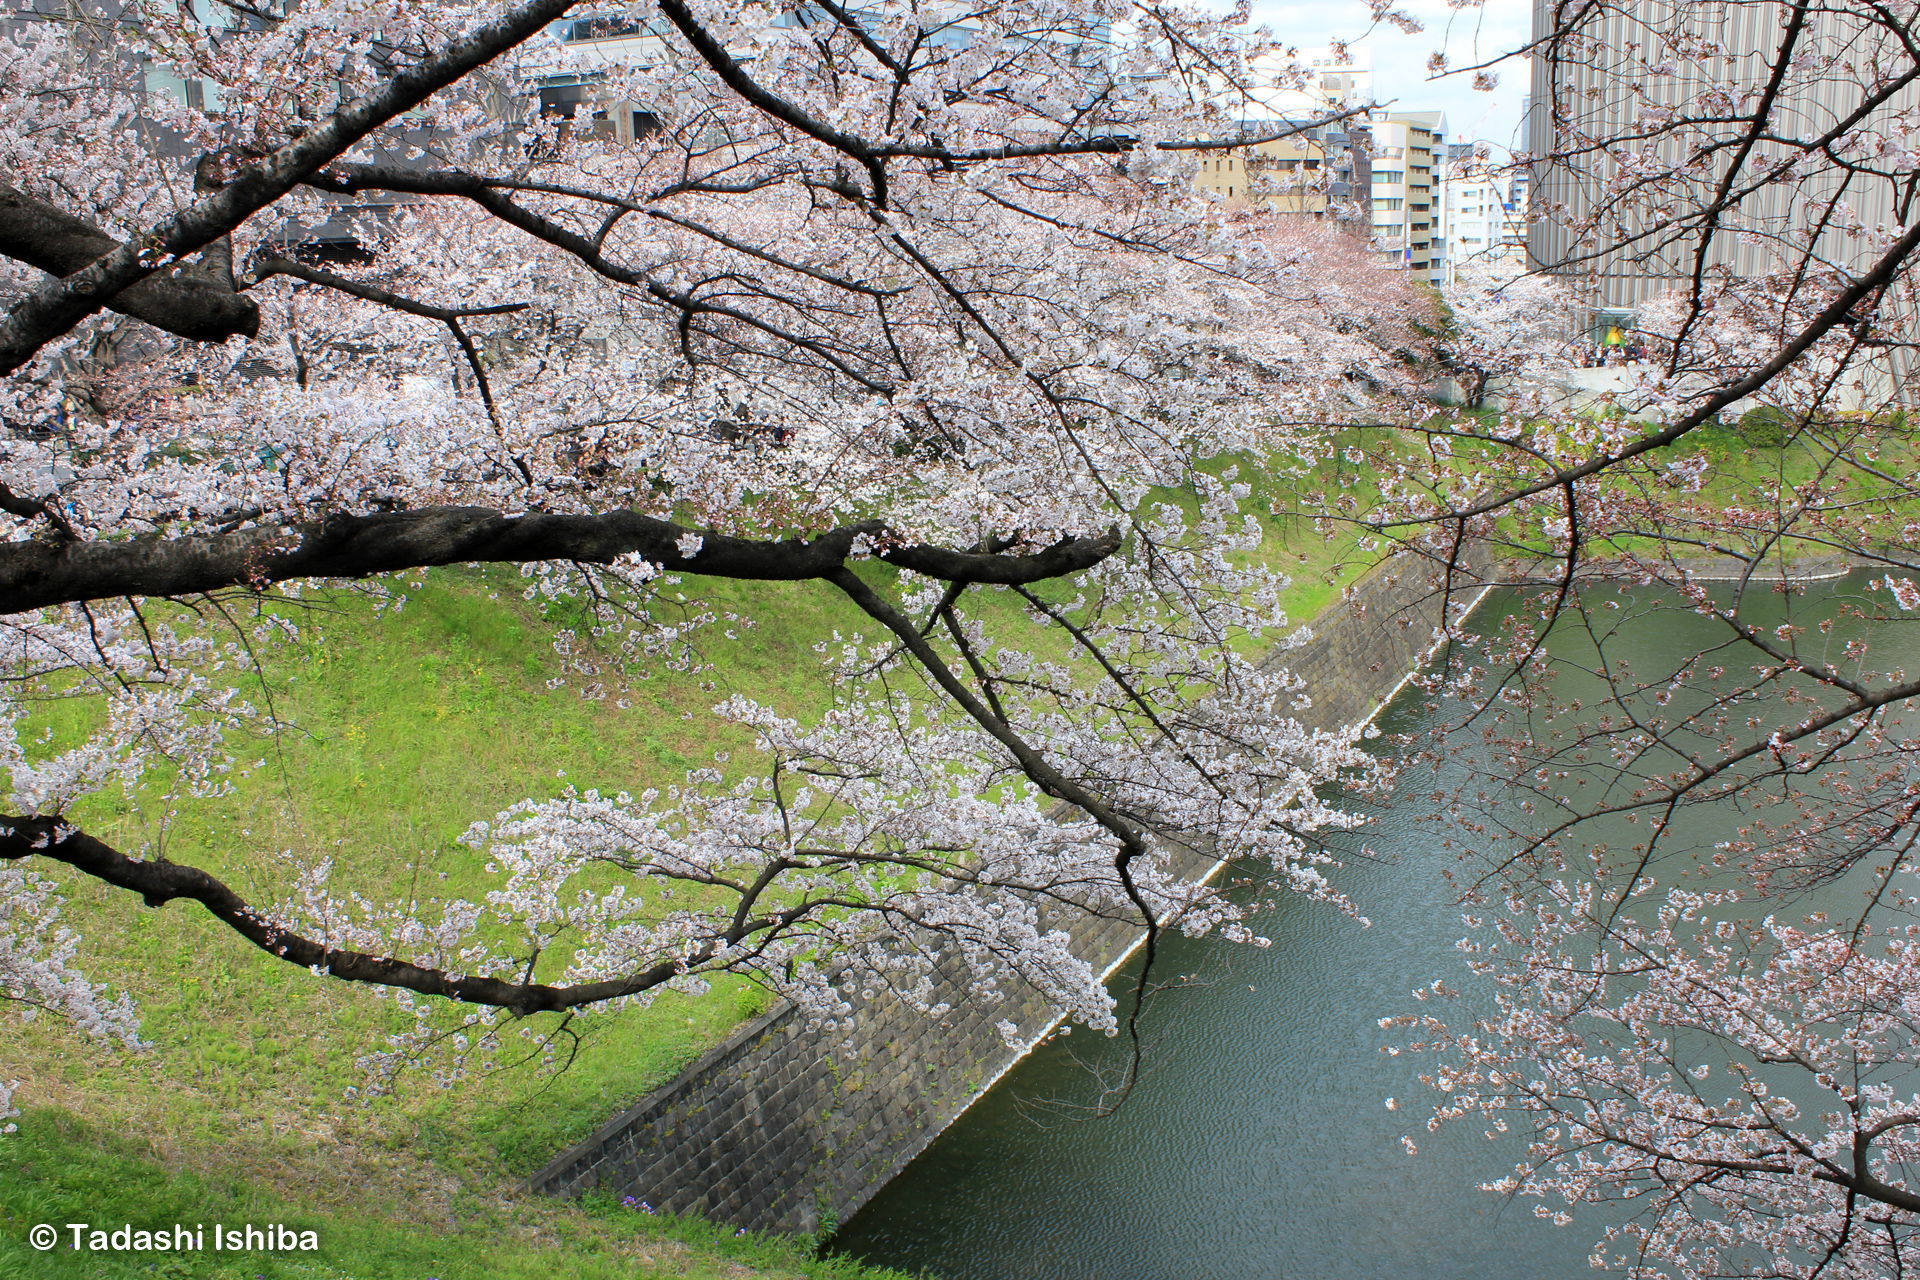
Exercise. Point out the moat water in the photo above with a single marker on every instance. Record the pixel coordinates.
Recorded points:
(1258, 1144)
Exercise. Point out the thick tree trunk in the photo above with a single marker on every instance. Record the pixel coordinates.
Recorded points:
(194, 302)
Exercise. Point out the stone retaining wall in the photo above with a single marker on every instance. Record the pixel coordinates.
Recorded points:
(1796, 569)
(779, 1130)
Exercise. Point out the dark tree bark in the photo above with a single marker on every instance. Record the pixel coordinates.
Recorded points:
(197, 303)
(161, 882)
(37, 574)
(56, 306)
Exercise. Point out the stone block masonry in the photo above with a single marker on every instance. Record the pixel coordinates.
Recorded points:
(1365, 646)
(779, 1129)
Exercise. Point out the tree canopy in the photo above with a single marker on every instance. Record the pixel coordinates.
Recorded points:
(927, 291)
(921, 303)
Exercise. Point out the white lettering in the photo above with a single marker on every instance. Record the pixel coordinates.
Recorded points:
(271, 1237)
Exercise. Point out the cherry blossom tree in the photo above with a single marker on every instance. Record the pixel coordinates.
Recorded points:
(1684, 1037)
(1513, 334)
(927, 287)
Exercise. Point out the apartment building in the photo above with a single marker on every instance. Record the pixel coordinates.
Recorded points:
(1485, 219)
(1321, 172)
(610, 41)
(1409, 216)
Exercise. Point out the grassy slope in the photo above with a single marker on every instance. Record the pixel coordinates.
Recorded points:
(410, 726)
(57, 1171)
(1742, 476)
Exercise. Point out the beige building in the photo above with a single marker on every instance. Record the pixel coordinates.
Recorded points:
(1409, 228)
(1320, 172)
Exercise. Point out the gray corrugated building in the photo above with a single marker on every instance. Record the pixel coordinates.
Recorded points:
(1584, 93)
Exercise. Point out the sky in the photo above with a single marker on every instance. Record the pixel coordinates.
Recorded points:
(1466, 35)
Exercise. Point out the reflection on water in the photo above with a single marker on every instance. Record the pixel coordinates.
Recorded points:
(1259, 1145)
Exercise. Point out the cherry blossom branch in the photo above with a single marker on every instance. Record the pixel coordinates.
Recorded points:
(1783, 58)
(450, 316)
(1129, 832)
(273, 266)
(58, 305)
(1884, 269)
(351, 179)
(734, 75)
(33, 575)
(161, 882)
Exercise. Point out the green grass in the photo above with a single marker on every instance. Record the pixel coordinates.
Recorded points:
(1741, 476)
(1757, 478)
(57, 1171)
(407, 727)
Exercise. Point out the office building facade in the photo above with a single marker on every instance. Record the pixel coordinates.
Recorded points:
(1623, 63)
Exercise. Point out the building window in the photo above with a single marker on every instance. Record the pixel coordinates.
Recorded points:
(612, 27)
(563, 101)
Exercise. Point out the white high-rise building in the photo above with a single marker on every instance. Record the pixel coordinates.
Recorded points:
(1335, 78)
(1485, 224)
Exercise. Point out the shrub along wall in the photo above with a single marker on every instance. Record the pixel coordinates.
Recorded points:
(778, 1129)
